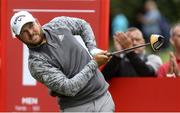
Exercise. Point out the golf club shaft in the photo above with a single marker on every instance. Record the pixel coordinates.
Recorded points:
(128, 49)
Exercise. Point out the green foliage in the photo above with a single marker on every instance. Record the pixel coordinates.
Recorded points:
(169, 8)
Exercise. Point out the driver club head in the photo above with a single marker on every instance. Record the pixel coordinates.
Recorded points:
(156, 41)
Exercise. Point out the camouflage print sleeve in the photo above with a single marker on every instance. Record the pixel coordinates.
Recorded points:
(77, 27)
(56, 81)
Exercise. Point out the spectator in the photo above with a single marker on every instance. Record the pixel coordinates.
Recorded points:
(150, 19)
(134, 63)
(57, 60)
(120, 22)
(172, 68)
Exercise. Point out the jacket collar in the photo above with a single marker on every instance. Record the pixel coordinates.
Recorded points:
(49, 38)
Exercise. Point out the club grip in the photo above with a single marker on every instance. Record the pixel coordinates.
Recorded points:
(109, 54)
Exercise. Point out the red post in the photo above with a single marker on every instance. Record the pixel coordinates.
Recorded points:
(3, 27)
(104, 24)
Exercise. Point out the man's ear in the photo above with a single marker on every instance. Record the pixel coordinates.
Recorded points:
(171, 41)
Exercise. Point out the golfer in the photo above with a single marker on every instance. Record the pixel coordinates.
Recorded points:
(59, 60)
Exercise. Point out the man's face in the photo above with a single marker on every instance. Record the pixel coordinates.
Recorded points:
(137, 39)
(176, 38)
(31, 34)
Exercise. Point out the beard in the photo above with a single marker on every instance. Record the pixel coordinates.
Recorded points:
(36, 39)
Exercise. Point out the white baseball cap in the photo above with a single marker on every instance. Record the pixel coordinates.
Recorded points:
(18, 20)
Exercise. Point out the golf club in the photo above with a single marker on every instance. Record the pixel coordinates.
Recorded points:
(156, 42)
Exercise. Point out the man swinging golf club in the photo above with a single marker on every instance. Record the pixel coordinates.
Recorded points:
(57, 60)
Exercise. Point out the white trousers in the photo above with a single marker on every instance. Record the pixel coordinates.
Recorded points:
(102, 104)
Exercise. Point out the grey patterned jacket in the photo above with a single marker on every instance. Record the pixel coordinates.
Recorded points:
(65, 66)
